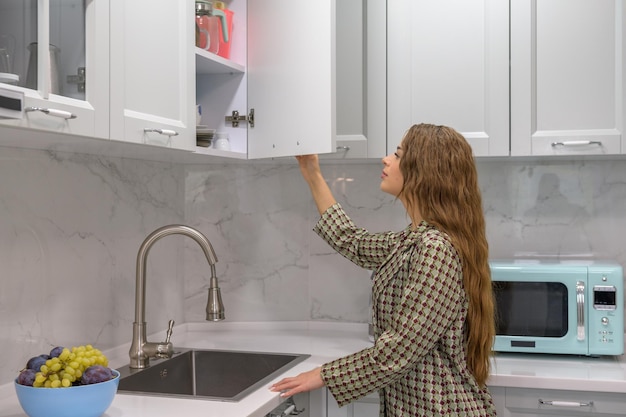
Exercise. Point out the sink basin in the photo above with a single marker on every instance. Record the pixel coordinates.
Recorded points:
(222, 375)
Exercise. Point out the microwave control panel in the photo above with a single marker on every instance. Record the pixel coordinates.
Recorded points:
(606, 308)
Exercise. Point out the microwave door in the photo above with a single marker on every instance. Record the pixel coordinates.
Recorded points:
(543, 313)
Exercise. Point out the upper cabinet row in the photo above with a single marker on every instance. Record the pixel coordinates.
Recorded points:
(130, 71)
(532, 77)
(343, 78)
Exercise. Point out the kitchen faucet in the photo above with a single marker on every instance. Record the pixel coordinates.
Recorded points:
(140, 349)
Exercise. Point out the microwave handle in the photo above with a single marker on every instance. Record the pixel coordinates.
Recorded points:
(580, 310)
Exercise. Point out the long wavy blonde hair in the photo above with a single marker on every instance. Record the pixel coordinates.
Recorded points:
(441, 182)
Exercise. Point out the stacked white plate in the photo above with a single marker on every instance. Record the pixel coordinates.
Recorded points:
(204, 136)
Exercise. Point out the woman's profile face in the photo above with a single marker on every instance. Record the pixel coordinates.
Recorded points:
(391, 177)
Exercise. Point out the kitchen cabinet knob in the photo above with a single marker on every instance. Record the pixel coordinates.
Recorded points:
(52, 112)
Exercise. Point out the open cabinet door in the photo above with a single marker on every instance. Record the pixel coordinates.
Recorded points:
(291, 77)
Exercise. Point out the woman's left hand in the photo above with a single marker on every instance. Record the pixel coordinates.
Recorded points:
(306, 381)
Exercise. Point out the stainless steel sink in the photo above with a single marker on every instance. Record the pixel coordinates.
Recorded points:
(207, 374)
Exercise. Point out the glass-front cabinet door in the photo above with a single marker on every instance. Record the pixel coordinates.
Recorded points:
(54, 67)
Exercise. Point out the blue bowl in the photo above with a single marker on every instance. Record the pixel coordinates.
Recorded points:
(77, 401)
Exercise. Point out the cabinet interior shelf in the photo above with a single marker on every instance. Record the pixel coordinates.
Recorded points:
(210, 63)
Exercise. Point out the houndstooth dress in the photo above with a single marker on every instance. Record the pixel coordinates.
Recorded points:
(418, 362)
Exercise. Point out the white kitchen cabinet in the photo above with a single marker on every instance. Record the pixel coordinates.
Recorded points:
(523, 402)
(448, 63)
(62, 88)
(281, 72)
(498, 394)
(361, 79)
(152, 73)
(568, 85)
(368, 406)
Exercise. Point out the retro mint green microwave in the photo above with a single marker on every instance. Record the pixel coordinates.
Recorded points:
(559, 307)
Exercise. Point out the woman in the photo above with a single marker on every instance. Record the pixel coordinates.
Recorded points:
(432, 297)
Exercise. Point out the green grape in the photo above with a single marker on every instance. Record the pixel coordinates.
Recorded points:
(68, 367)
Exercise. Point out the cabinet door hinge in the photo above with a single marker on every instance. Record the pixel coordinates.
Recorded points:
(79, 79)
(235, 118)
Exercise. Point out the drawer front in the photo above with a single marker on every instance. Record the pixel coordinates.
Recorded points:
(557, 402)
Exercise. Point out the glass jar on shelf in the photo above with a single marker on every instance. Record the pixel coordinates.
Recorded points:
(210, 23)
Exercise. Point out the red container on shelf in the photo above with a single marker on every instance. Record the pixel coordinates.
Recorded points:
(224, 47)
(211, 28)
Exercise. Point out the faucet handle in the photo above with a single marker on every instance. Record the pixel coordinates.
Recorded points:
(170, 327)
(162, 350)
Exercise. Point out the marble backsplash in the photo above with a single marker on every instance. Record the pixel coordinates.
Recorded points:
(71, 226)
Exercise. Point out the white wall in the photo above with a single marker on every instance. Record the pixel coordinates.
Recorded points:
(274, 267)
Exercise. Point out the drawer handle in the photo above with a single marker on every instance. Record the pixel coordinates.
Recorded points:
(52, 112)
(165, 132)
(565, 403)
(576, 143)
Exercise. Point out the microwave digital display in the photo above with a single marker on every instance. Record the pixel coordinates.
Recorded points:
(535, 309)
(604, 297)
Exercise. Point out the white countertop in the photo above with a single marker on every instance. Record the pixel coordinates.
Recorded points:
(324, 342)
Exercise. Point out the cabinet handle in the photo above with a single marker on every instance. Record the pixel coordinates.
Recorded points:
(52, 112)
(576, 143)
(565, 403)
(343, 148)
(165, 132)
